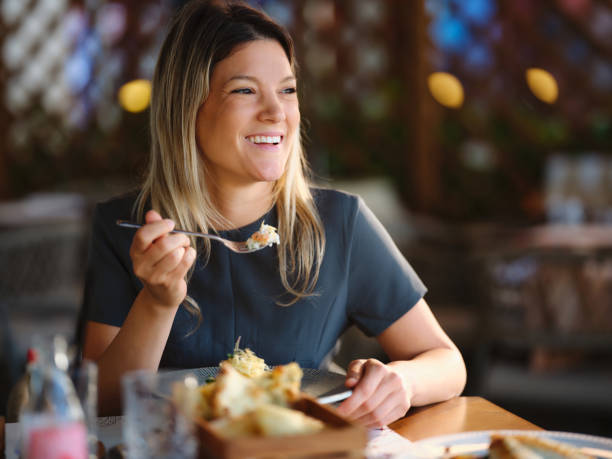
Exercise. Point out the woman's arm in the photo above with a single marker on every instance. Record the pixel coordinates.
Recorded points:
(160, 261)
(138, 344)
(425, 367)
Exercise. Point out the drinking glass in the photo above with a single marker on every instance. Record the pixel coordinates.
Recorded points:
(85, 380)
(155, 422)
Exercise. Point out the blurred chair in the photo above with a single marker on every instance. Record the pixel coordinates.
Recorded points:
(531, 311)
(42, 260)
(548, 328)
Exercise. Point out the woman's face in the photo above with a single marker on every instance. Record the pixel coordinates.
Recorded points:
(251, 117)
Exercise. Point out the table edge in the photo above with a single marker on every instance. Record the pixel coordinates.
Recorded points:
(397, 425)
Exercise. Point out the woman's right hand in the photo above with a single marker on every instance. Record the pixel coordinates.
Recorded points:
(161, 260)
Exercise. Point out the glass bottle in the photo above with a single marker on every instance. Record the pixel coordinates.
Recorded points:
(19, 396)
(52, 424)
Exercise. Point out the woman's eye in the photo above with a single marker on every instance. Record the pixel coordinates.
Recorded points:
(243, 91)
(291, 90)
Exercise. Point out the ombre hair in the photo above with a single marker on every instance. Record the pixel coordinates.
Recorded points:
(202, 34)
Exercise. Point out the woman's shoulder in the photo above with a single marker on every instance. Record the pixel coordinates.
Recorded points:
(105, 232)
(119, 207)
(338, 209)
(335, 200)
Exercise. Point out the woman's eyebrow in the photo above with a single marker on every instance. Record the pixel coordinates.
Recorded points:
(255, 80)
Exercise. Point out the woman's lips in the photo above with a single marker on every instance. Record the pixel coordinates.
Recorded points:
(264, 139)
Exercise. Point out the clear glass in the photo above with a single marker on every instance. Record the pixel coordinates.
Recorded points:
(154, 425)
(85, 380)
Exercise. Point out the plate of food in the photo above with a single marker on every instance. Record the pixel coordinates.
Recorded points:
(244, 408)
(510, 444)
(324, 386)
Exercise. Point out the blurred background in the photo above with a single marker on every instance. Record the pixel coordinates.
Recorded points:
(479, 131)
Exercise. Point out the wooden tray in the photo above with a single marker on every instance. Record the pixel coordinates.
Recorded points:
(340, 438)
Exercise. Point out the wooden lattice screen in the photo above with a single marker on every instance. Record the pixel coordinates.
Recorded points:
(364, 65)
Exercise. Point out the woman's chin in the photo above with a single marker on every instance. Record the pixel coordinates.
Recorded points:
(269, 174)
(269, 177)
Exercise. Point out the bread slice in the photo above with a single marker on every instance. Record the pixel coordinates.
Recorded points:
(241, 426)
(273, 420)
(532, 447)
(282, 383)
(234, 394)
(205, 408)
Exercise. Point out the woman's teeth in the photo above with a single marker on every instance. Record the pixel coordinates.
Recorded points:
(273, 139)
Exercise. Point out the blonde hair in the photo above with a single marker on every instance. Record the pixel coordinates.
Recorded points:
(202, 34)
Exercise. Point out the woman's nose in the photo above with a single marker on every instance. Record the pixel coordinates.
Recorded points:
(272, 110)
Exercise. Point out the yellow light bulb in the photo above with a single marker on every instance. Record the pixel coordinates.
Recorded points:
(446, 89)
(135, 95)
(542, 84)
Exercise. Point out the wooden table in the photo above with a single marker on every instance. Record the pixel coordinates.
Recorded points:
(461, 414)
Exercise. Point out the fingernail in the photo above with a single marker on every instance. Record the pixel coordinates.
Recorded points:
(170, 223)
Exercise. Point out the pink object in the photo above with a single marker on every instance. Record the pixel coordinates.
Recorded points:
(62, 441)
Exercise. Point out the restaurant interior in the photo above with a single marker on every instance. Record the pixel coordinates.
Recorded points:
(478, 131)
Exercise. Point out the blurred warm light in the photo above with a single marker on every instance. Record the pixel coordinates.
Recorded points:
(135, 95)
(542, 84)
(446, 89)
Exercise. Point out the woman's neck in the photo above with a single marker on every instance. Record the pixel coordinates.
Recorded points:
(242, 205)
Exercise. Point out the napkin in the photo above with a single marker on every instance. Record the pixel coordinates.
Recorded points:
(386, 443)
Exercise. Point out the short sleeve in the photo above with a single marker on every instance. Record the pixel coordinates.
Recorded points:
(382, 284)
(110, 287)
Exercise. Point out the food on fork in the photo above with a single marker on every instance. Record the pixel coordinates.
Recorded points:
(265, 236)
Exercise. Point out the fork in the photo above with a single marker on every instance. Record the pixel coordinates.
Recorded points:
(234, 246)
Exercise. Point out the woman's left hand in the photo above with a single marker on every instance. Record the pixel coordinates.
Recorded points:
(380, 394)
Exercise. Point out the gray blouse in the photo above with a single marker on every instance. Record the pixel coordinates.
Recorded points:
(364, 279)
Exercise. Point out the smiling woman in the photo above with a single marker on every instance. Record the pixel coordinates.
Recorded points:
(252, 106)
(226, 156)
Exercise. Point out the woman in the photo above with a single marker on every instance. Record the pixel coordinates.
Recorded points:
(226, 155)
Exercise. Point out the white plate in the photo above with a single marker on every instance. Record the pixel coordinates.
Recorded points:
(325, 386)
(477, 443)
